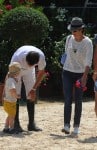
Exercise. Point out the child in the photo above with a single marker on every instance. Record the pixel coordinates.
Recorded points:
(11, 96)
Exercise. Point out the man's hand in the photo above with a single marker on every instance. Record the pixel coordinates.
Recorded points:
(32, 95)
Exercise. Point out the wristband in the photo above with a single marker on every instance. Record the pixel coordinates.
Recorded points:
(34, 89)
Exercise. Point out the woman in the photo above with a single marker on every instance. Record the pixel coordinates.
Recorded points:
(79, 51)
(95, 72)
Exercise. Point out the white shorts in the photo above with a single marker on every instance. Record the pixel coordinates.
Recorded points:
(29, 79)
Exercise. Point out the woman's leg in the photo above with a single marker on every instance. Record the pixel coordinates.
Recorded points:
(68, 91)
(78, 106)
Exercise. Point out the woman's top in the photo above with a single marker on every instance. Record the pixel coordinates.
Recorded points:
(79, 54)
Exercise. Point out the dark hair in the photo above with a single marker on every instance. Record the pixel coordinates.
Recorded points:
(32, 58)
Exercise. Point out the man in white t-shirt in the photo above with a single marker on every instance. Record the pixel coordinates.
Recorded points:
(28, 57)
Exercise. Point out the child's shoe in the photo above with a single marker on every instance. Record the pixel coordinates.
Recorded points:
(6, 130)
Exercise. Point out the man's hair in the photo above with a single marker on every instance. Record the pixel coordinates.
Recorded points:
(32, 58)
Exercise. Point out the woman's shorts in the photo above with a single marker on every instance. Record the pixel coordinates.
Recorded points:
(10, 108)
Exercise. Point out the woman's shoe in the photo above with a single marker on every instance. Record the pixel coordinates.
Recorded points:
(76, 130)
(66, 129)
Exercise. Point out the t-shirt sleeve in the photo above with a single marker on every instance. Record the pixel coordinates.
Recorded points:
(89, 54)
(42, 63)
(14, 58)
(11, 84)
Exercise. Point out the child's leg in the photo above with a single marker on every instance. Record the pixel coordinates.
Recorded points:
(11, 122)
(96, 103)
(6, 128)
(7, 122)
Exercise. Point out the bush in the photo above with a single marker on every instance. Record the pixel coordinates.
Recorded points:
(24, 25)
(18, 27)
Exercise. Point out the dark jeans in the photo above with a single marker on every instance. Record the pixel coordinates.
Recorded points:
(69, 79)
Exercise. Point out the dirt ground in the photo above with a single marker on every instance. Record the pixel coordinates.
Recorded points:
(49, 116)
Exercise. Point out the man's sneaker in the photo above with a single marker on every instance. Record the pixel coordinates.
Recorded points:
(66, 129)
(33, 127)
(18, 129)
(76, 130)
(12, 131)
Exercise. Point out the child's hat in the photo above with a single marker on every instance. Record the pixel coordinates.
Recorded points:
(14, 68)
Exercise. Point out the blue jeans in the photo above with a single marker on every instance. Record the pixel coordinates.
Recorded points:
(69, 79)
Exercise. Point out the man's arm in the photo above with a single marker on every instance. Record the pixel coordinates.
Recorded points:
(39, 78)
(32, 93)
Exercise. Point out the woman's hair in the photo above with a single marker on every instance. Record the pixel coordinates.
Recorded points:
(32, 58)
(83, 30)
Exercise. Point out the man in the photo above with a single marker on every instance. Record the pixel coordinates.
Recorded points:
(29, 57)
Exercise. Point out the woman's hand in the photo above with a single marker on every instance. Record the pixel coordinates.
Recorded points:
(94, 76)
(83, 81)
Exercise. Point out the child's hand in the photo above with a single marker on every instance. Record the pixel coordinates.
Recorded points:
(18, 96)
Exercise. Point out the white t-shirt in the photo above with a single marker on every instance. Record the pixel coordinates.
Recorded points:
(10, 84)
(79, 54)
(20, 56)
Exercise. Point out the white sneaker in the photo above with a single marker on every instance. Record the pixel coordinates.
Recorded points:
(76, 130)
(66, 129)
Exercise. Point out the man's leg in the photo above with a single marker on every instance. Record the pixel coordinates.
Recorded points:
(29, 81)
(17, 126)
(31, 113)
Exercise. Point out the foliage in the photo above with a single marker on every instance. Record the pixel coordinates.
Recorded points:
(58, 19)
(24, 25)
(5, 55)
(45, 78)
(53, 51)
(20, 26)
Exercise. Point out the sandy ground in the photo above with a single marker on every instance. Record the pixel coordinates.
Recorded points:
(49, 116)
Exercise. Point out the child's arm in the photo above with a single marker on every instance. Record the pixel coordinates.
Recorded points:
(14, 93)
